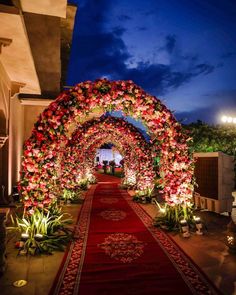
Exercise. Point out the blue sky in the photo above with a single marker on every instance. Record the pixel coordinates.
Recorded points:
(182, 51)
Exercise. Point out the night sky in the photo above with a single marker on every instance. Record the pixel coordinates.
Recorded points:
(182, 51)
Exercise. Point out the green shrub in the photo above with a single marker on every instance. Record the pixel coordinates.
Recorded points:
(170, 216)
(72, 196)
(84, 184)
(144, 196)
(43, 231)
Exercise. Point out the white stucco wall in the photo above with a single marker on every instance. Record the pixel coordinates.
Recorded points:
(108, 155)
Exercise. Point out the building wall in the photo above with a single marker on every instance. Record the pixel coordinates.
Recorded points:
(108, 155)
(5, 94)
(31, 114)
(30, 64)
(22, 121)
(44, 35)
(15, 140)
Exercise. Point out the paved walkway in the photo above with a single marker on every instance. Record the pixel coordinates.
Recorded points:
(208, 251)
(119, 251)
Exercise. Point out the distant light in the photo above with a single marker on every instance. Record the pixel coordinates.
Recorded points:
(224, 119)
(228, 119)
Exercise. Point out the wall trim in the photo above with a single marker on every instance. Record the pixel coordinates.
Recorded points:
(36, 101)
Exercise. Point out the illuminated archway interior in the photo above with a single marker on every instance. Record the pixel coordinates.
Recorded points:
(64, 127)
(81, 149)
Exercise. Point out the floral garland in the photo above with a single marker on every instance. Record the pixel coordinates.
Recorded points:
(41, 169)
(92, 134)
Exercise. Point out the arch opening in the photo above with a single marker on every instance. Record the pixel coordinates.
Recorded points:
(130, 143)
(44, 150)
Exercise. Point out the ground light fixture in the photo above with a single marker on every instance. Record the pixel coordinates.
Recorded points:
(24, 237)
(38, 237)
(228, 119)
(231, 236)
(198, 224)
(184, 228)
(19, 283)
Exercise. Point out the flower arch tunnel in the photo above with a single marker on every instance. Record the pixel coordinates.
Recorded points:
(44, 149)
(90, 152)
(91, 135)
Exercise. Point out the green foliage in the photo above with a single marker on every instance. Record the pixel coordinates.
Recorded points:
(71, 196)
(83, 184)
(118, 173)
(208, 138)
(92, 179)
(144, 196)
(44, 231)
(127, 186)
(170, 216)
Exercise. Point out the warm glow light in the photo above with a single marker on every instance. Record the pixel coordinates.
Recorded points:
(58, 148)
(24, 236)
(230, 240)
(183, 222)
(163, 210)
(228, 119)
(38, 237)
(197, 219)
(224, 119)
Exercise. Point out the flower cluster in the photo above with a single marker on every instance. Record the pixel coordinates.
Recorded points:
(89, 136)
(42, 167)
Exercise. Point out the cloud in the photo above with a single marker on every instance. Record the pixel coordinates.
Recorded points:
(159, 79)
(228, 54)
(190, 58)
(203, 68)
(142, 28)
(150, 12)
(219, 103)
(124, 17)
(97, 52)
(118, 31)
(207, 115)
(170, 43)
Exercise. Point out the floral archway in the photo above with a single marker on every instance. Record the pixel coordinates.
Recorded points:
(44, 149)
(81, 149)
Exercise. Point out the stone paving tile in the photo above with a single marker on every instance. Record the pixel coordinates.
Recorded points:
(38, 271)
(36, 265)
(28, 289)
(41, 281)
(208, 251)
(52, 263)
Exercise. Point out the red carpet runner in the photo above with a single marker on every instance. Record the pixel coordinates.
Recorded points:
(118, 251)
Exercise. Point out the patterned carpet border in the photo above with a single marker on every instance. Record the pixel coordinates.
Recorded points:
(193, 277)
(67, 283)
